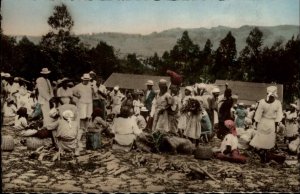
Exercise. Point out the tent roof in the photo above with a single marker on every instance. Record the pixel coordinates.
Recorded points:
(249, 92)
(132, 81)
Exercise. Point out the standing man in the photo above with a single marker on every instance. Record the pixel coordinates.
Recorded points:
(83, 91)
(117, 98)
(150, 95)
(93, 82)
(45, 91)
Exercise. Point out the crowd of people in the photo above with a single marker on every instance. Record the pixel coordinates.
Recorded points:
(64, 110)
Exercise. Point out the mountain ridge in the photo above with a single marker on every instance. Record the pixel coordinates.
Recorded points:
(147, 45)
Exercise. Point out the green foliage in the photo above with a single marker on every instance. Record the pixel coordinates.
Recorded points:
(65, 55)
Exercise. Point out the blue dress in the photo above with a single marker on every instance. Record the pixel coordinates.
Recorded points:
(241, 114)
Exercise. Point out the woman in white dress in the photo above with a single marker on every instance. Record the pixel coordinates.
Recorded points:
(267, 116)
(160, 104)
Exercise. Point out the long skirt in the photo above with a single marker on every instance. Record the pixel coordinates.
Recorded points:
(265, 136)
(291, 129)
(193, 127)
(161, 122)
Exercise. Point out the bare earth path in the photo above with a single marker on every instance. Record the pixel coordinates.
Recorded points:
(108, 170)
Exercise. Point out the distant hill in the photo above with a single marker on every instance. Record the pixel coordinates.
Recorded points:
(147, 45)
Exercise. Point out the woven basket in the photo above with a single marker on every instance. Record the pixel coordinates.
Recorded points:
(33, 143)
(204, 153)
(7, 143)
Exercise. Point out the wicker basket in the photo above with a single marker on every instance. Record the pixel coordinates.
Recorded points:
(7, 143)
(204, 153)
(33, 143)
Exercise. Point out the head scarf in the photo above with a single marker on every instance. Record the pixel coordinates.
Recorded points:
(68, 115)
(231, 126)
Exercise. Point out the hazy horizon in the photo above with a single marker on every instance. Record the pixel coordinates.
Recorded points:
(145, 17)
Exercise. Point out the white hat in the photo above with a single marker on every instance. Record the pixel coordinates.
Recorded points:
(86, 76)
(144, 109)
(294, 105)
(116, 88)
(253, 106)
(149, 83)
(272, 91)
(91, 72)
(189, 88)
(16, 79)
(68, 114)
(53, 112)
(201, 86)
(241, 104)
(45, 71)
(2, 74)
(6, 75)
(215, 90)
(163, 81)
(102, 89)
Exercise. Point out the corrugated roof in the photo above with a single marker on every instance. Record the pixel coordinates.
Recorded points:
(249, 92)
(132, 81)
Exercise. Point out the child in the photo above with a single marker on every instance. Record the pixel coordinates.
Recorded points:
(229, 146)
(241, 114)
(193, 120)
(245, 135)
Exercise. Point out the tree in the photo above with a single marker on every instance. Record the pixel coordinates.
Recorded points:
(225, 66)
(29, 58)
(206, 59)
(132, 65)
(185, 55)
(250, 56)
(103, 59)
(58, 44)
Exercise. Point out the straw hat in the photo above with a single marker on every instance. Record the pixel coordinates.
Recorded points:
(116, 88)
(163, 81)
(215, 90)
(144, 109)
(149, 83)
(92, 72)
(294, 105)
(7, 75)
(241, 104)
(189, 88)
(86, 76)
(45, 71)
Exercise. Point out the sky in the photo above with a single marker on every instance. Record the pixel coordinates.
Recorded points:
(29, 17)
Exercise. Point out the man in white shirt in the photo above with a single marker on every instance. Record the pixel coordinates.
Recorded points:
(83, 91)
(45, 94)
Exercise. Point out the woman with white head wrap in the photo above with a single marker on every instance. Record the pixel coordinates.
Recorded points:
(67, 131)
(267, 116)
(159, 112)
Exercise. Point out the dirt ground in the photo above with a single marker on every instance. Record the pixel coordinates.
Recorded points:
(107, 170)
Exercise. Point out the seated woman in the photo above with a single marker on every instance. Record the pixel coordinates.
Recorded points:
(66, 133)
(97, 123)
(9, 110)
(125, 128)
(229, 146)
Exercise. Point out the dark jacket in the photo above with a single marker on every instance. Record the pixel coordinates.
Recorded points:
(149, 99)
